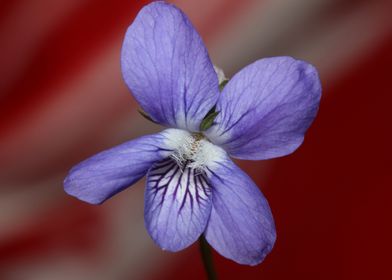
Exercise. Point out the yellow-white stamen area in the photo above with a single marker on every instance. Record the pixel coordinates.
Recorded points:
(193, 150)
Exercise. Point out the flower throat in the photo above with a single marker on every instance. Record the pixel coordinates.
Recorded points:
(192, 152)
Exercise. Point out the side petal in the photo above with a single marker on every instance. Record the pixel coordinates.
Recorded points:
(177, 205)
(166, 66)
(241, 226)
(109, 172)
(266, 108)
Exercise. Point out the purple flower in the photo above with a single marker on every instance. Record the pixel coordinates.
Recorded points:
(193, 187)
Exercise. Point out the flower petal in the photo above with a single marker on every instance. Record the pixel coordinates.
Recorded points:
(241, 225)
(177, 204)
(109, 172)
(166, 66)
(266, 108)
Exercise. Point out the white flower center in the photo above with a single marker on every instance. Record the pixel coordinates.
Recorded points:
(193, 150)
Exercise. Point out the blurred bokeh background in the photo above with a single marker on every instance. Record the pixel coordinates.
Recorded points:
(62, 99)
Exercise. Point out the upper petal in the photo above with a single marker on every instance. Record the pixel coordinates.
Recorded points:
(266, 108)
(241, 225)
(166, 66)
(109, 172)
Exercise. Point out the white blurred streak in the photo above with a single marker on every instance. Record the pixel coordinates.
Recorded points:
(340, 44)
(301, 29)
(20, 209)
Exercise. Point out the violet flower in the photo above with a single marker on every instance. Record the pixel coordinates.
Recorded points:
(193, 187)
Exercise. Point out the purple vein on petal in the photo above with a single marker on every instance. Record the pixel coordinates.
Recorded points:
(178, 204)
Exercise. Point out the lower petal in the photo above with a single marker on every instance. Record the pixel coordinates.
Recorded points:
(177, 204)
(241, 226)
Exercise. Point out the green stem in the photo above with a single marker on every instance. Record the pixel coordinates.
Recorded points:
(206, 256)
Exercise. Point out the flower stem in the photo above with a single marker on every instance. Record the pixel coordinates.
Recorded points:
(206, 256)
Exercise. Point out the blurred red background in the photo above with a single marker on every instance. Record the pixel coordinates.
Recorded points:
(62, 99)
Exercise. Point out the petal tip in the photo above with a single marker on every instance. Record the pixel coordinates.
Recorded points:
(73, 189)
